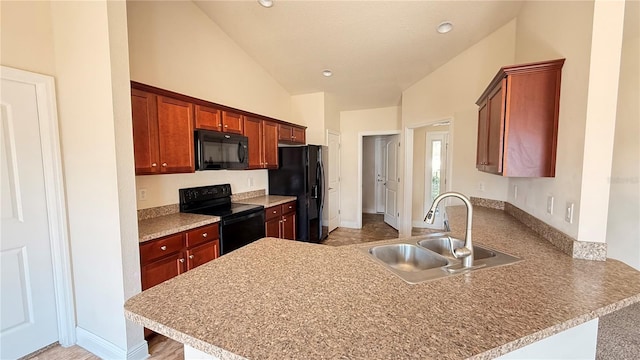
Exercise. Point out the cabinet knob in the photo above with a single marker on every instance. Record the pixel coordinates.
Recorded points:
(266, 163)
(163, 247)
(164, 164)
(285, 220)
(225, 125)
(274, 211)
(154, 164)
(205, 234)
(191, 256)
(181, 260)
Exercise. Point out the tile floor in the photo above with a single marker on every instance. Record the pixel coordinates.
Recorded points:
(618, 333)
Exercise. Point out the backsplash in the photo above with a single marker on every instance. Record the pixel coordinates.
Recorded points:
(144, 214)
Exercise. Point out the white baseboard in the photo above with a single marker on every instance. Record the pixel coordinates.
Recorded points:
(349, 224)
(369, 211)
(107, 350)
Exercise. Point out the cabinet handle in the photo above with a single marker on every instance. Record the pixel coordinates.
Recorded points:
(204, 235)
(181, 260)
(164, 164)
(154, 164)
(163, 247)
(191, 256)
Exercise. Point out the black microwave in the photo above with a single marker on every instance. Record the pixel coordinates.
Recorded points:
(217, 151)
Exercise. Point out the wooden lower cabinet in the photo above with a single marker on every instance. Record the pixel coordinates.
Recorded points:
(280, 221)
(170, 256)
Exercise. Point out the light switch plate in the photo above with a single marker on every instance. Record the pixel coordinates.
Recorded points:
(550, 205)
(515, 191)
(568, 215)
(142, 194)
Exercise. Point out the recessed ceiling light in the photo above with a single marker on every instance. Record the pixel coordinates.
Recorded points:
(444, 27)
(266, 3)
(327, 73)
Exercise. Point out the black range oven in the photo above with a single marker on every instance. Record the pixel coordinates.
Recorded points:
(240, 224)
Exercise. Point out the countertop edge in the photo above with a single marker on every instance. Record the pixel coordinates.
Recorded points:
(556, 329)
(175, 230)
(185, 339)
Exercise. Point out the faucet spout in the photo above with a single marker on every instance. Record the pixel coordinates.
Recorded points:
(466, 252)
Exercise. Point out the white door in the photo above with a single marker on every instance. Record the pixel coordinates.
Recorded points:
(333, 140)
(391, 181)
(28, 318)
(435, 174)
(380, 174)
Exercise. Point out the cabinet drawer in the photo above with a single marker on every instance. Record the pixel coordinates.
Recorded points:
(288, 207)
(156, 249)
(202, 234)
(272, 212)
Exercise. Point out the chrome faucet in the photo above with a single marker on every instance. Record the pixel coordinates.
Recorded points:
(465, 253)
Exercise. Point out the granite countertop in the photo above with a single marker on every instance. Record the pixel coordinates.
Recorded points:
(268, 200)
(160, 226)
(276, 299)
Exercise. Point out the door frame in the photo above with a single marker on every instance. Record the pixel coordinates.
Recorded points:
(335, 133)
(406, 215)
(361, 135)
(55, 197)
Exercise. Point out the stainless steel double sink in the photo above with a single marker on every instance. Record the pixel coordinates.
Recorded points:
(431, 258)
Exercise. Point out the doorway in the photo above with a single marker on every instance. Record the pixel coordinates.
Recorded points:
(418, 177)
(378, 177)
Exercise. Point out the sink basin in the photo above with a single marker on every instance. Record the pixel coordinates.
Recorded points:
(441, 245)
(431, 258)
(407, 257)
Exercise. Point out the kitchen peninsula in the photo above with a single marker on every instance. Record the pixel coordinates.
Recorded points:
(276, 299)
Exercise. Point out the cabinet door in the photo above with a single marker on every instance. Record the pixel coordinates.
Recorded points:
(272, 228)
(285, 132)
(253, 131)
(208, 118)
(298, 135)
(270, 144)
(232, 123)
(483, 135)
(203, 254)
(496, 104)
(289, 226)
(145, 132)
(160, 271)
(175, 130)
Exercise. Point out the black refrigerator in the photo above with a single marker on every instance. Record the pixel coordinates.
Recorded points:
(301, 173)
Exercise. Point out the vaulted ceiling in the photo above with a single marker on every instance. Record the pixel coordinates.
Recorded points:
(375, 49)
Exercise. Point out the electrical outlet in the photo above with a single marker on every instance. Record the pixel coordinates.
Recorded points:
(142, 194)
(481, 186)
(250, 181)
(568, 215)
(515, 191)
(550, 205)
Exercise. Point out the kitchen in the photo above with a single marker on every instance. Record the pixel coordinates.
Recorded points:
(264, 96)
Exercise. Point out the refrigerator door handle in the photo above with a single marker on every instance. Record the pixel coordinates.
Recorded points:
(321, 185)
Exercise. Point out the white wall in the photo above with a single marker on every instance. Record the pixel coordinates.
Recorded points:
(353, 123)
(451, 92)
(623, 228)
(175, 46)
(308, 110)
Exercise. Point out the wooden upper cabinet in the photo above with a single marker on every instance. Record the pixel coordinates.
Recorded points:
(270, 144)
(518, 120)
(208, 118)
(145, 132)
(175, 133)
(162, 134)
(263, 143)
(232, 123)
(291, 134)
(253, 131)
